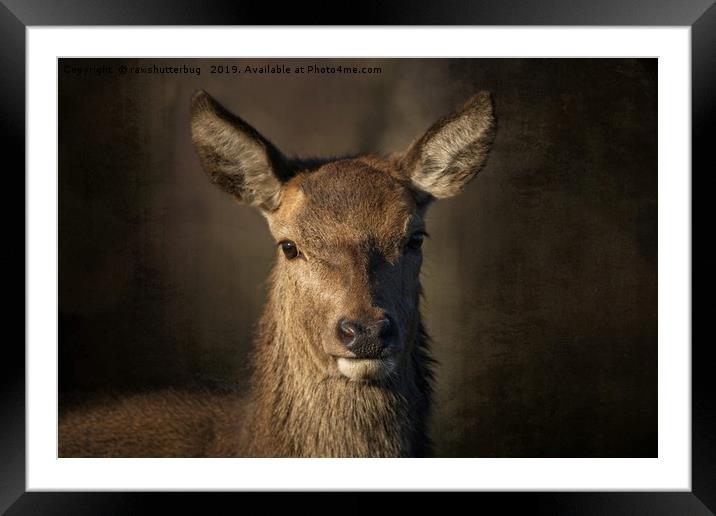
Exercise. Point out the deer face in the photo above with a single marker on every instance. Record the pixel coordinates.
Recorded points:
(349, 237)
(349, 232)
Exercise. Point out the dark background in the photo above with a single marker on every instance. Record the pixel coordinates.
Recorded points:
(540, 279)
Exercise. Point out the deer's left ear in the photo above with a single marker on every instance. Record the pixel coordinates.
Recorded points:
(453, 150)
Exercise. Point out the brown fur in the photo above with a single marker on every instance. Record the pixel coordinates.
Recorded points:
(164, 423)
(351, 220)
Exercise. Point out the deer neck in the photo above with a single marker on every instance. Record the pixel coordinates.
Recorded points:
(302, 410)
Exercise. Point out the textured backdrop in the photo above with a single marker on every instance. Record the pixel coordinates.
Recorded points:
(540, 279)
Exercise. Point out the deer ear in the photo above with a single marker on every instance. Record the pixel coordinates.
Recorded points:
(453, 150)
(234, 155)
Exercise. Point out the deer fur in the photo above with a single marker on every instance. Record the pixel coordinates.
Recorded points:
(355, 223)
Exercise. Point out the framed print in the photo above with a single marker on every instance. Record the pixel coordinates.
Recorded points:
(450, 255)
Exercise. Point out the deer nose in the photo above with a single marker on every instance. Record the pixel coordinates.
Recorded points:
(365, 340)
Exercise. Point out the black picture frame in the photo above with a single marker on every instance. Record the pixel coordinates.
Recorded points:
(17, 15)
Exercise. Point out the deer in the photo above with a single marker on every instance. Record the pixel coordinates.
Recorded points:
(341, 360)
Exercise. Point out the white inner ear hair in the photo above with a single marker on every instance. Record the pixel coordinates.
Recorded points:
(244, 163)
(453, 155)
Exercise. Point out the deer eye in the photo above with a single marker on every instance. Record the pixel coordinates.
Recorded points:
(416, 241)
(289, 249)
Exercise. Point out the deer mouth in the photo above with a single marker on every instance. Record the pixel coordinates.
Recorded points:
(362, 369)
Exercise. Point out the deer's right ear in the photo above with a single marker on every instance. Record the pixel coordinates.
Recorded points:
(234, 155)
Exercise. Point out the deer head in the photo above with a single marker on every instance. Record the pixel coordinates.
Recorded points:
(348, 232)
